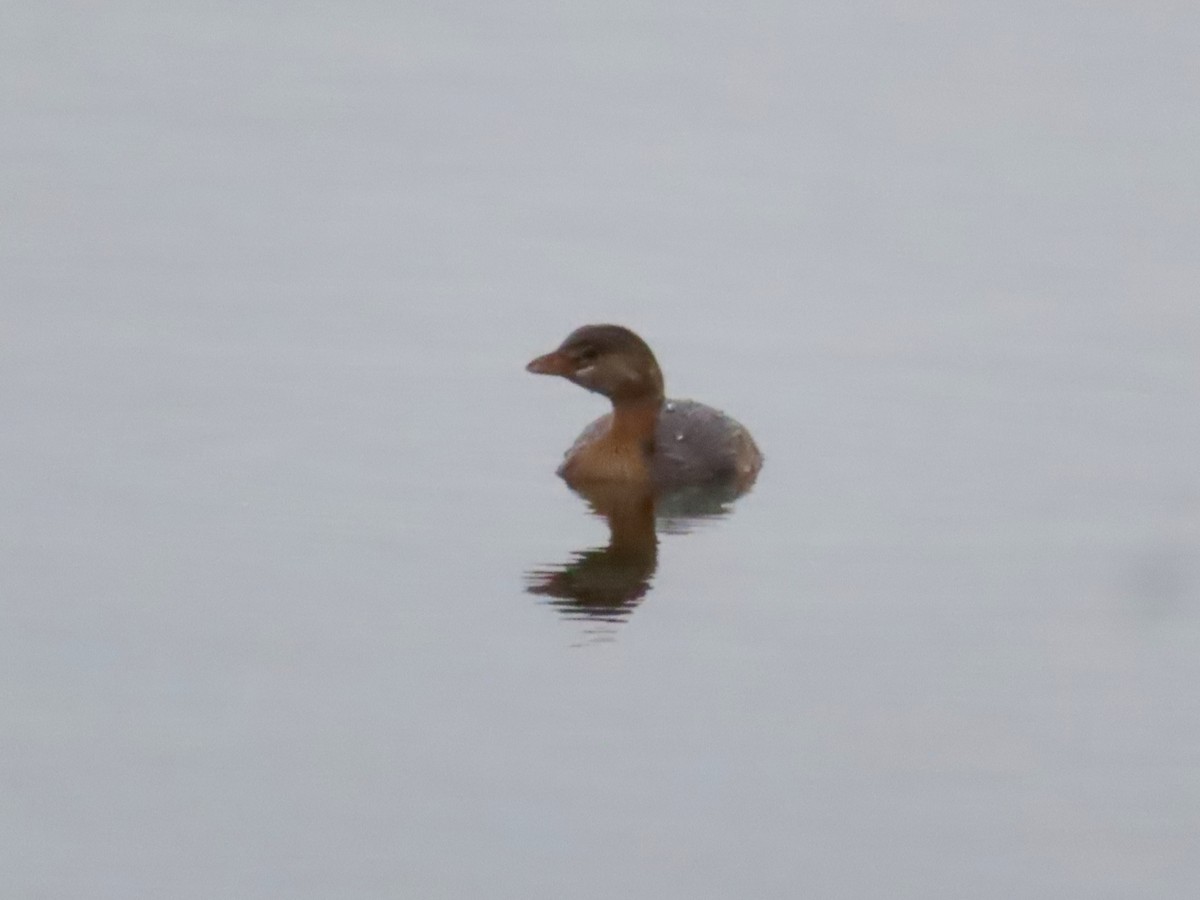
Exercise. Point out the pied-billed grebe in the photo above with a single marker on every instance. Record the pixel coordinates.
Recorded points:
(646, 439)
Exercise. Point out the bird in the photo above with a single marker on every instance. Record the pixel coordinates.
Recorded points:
(647, 440)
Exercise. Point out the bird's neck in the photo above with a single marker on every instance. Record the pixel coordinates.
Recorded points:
(634, 421)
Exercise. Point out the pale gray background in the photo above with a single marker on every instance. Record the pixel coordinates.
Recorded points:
(272, 474)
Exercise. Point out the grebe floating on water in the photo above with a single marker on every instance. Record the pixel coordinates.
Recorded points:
(646, 439)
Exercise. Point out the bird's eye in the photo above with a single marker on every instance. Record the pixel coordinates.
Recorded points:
(587, 354)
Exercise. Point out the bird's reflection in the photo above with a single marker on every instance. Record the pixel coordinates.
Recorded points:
(605, 584)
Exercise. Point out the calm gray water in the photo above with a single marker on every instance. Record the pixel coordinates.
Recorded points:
(275, 482)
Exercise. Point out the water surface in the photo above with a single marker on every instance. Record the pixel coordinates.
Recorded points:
(277, 486)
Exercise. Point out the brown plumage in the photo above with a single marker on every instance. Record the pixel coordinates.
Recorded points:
(646, 439)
